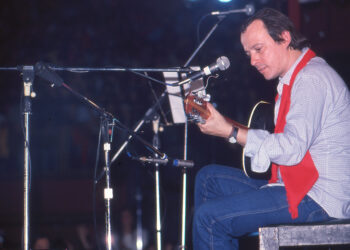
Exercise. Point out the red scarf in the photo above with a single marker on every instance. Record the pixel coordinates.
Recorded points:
(298, 179)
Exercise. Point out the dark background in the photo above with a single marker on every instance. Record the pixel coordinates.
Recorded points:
(64, 131)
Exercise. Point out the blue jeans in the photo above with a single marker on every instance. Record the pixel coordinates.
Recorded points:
(229, 204)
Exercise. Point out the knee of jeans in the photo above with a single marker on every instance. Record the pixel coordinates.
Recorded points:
(202, 216)
(203, 173)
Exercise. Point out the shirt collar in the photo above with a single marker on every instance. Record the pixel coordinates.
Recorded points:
(286, 78)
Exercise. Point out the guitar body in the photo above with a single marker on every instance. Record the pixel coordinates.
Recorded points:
(261, 117)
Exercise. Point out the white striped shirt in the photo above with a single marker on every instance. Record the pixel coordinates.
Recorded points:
(319, 121)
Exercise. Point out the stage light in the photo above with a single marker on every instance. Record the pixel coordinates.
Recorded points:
(225, 1)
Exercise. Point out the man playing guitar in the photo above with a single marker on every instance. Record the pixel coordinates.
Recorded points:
(309, 149)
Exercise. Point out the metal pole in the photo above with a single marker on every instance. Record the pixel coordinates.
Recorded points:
(108, 191)
(28, 78)
(156, 144)
(158, 223)
(184, 175)
(184, 194)
(26, 184)
(108, 195)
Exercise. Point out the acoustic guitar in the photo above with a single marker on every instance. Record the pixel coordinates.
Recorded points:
(261, 117)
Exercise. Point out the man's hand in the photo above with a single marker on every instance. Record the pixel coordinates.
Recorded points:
(216, 124)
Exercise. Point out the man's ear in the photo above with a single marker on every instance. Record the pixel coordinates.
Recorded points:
(285, 35)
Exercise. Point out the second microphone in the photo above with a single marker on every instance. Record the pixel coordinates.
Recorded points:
(222, 63)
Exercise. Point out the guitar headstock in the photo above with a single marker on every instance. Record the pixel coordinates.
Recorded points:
(196, 108)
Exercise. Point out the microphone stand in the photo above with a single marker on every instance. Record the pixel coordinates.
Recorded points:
(28, 78)
(106, 119)
(184, 170)
(148, 116)
(221, 18)
(108, 191)
(156, 143)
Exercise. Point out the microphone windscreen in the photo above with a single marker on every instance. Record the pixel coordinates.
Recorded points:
(223, 63)
(249, 9)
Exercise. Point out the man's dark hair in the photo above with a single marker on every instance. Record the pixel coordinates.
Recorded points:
(275, 23)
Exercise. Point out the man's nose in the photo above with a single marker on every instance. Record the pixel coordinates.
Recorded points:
(254, 59)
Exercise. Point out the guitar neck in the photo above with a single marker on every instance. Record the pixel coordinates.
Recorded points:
(236, 124)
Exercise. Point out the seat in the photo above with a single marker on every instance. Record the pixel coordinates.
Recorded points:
(334, 232)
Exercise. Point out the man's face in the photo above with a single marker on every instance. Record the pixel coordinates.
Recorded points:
(267, 56)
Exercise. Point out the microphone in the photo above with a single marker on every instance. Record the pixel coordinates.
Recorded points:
(174, 162)
(222, 63)
(43, 71)
(249, 10)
